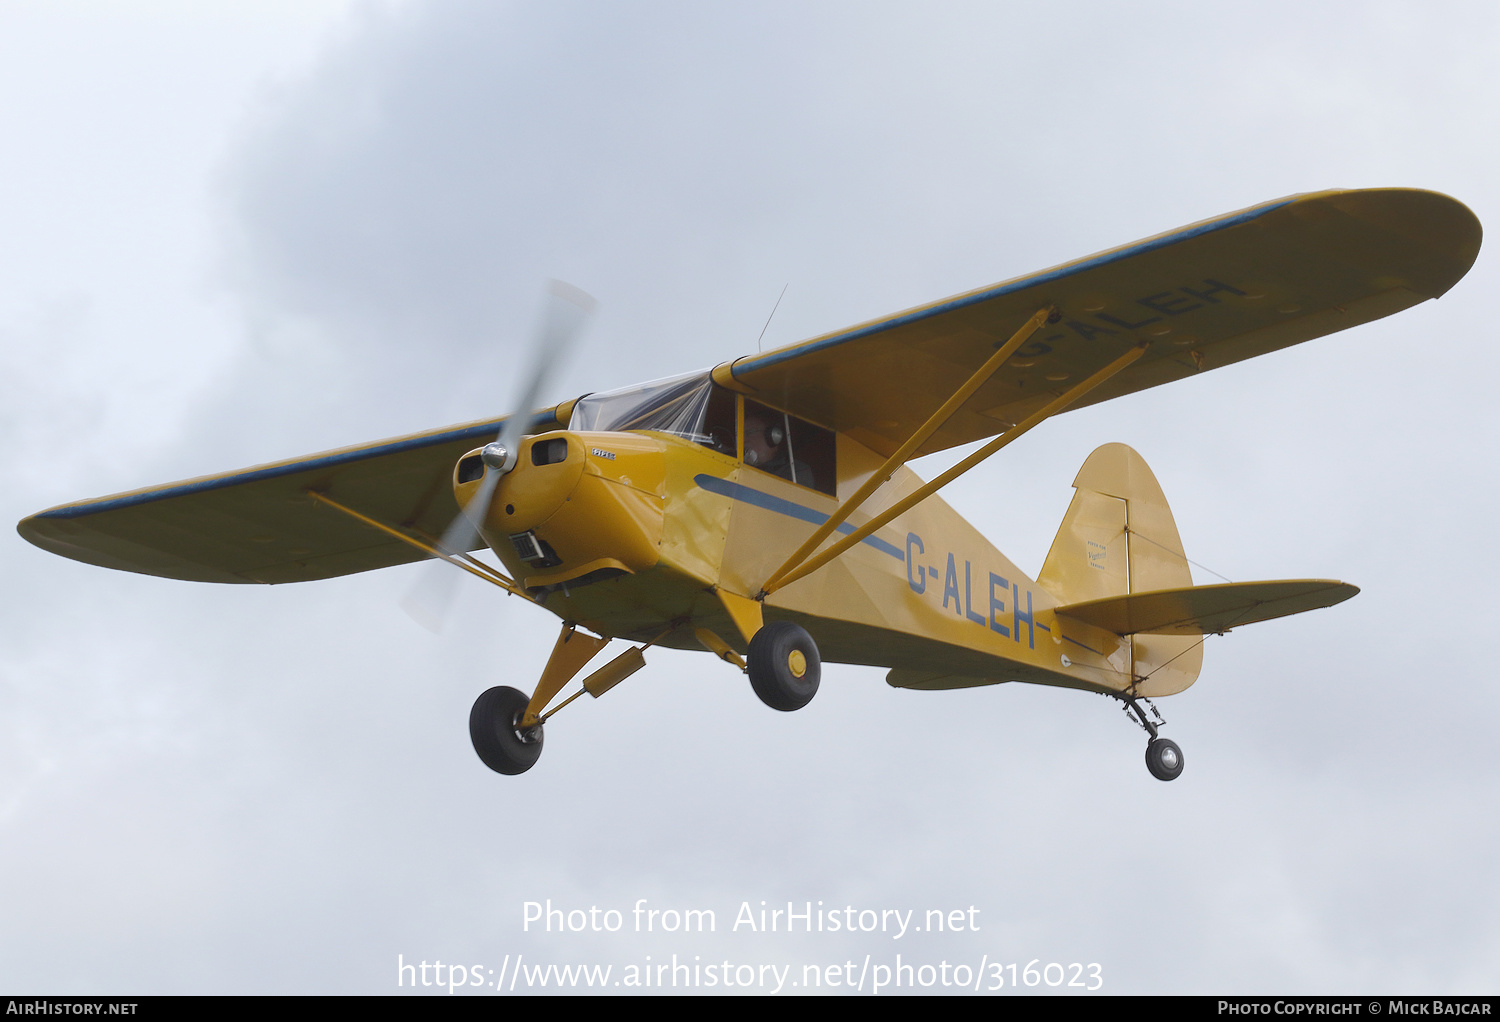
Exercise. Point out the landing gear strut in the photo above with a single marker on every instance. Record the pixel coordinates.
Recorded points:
(1163, 757)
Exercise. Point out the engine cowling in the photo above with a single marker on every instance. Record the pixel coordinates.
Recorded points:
(576, 508)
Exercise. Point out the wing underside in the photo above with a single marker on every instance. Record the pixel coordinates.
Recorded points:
(260, 524)
(1204, 296)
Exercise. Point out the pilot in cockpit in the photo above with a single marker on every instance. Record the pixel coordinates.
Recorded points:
(768, 447)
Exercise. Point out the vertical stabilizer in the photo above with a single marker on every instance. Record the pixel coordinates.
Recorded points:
(1119, 537)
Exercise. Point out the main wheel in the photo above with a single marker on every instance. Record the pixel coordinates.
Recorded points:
(784, 666)
(501, 744)
(1163, 759)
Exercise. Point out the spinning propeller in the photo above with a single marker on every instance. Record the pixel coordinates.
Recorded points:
(567, 312)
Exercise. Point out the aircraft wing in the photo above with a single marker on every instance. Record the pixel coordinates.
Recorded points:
(260, 525)
(1204, 296)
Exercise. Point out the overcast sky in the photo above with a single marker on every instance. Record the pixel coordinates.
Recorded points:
(240, 232)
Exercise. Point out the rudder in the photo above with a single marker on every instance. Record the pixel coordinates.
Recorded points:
(1119, 537)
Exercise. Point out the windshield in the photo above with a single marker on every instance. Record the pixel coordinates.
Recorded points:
(678, 406)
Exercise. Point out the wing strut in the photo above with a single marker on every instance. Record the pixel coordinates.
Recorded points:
(786, 575)
(932, 425)
(462, 560)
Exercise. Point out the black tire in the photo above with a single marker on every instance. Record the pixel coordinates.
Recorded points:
(774, 664)
(1164, 759)
(492, 729)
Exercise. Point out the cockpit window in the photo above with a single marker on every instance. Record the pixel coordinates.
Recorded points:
(673, 406)
(687, 406)
(789, 447)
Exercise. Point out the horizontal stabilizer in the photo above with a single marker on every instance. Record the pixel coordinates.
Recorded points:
(1205, 610)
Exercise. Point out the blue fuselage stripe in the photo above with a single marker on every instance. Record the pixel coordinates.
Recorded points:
(761, 499)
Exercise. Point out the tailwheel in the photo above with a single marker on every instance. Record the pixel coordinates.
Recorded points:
(784, 665)
(503, 746)
(1163, 759)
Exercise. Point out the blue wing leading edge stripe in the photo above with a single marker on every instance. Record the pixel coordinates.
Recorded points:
(916, 315)
(477, 432)
(757, 498)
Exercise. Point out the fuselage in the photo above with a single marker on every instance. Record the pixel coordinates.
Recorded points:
(631, 533)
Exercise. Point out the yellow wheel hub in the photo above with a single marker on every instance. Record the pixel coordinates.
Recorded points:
(797, 663)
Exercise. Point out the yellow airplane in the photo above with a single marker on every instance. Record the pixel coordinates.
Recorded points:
(762, 510)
